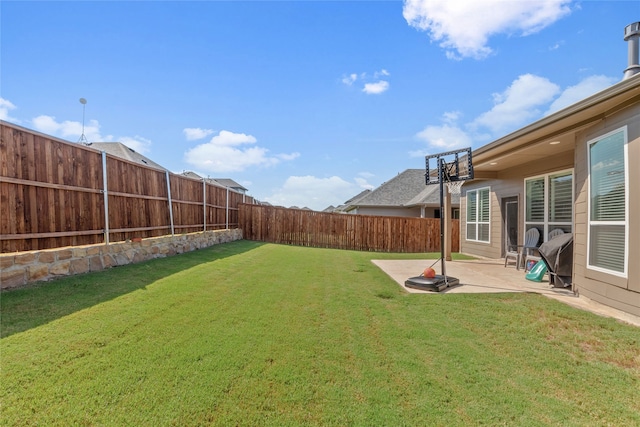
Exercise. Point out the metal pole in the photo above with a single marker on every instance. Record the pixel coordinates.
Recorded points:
(204, 203)
(227, 211)
(440, 179)
(170, 204)
(105, 196)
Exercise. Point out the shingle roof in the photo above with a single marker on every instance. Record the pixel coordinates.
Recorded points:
(190, 174)
(397, 191)
(120, 150)
(358, 196)
(430, 196)
(406, 189)
(221, 182)
(229, 183)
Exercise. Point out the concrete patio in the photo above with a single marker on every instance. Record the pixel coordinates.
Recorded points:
(490, 276)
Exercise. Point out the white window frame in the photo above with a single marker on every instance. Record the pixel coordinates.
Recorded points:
(626, 207)
(477, 221)
(548, 225)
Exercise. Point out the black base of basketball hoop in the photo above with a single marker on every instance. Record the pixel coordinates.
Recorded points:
(437, 284)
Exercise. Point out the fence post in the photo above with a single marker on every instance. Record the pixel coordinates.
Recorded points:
(105, 196)
(227, 211)
(204, 203)
(170, 203)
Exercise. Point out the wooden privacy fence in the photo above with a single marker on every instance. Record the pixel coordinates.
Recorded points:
(54, 193)
(343, 231)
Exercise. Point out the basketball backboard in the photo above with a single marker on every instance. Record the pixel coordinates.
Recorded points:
(456, 166)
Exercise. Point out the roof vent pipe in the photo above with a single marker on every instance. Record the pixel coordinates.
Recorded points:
(632, 36)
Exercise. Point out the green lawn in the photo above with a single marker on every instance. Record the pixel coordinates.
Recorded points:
(258, 334)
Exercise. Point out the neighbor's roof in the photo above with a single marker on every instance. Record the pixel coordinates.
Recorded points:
(397, 191)
(120, 150)
(190, 174)
(357, 197)
(406, 189)
(229, 183)
(430, 196)
(345, 206)
(221, 182)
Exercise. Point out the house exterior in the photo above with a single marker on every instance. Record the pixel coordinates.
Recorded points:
(576, 170)
(404, 195)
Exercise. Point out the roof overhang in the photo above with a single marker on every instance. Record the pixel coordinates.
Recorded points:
(554, 134)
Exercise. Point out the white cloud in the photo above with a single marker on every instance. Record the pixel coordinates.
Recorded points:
(5, 107)
(193, 134)
(137, 143)
(363, 183)
(463, 27)
(518, 104)
(291, 156)
(229, 138)
(312, 192)
(556, 45)
(585, 88)
(445, 137)
(73, 130)
(223, 154)
(68, 129)
(376, 88)
(451, 116)
(371, 84)
(350, 79)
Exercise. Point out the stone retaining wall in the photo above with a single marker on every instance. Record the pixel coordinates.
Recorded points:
(20, 268)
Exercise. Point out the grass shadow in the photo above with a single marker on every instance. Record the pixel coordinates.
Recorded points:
(43, 302)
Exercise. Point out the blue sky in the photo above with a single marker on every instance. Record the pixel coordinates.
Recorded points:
(305, 103)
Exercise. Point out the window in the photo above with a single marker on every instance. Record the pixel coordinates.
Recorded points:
(549, 202)
(608, 215)
(478, 215)
(455, 213)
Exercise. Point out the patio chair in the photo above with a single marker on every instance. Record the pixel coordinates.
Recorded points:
(535, 258)
(519, 252)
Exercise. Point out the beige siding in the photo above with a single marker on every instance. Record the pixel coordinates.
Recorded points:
(509, 183)
(615, 291)
(471, 247)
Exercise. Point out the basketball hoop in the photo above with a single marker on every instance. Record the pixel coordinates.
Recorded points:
(453, 168)
(454, 187)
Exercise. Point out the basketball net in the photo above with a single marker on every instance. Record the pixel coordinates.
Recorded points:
(454, 187)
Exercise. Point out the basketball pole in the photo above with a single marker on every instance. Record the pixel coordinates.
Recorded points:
(441, 167)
